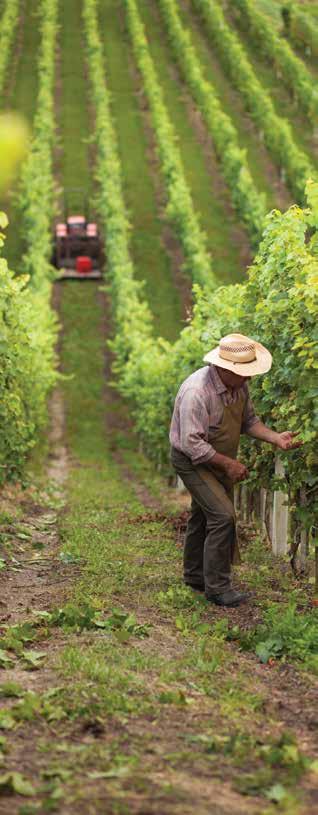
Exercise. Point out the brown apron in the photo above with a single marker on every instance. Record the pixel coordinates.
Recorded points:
(225, 440)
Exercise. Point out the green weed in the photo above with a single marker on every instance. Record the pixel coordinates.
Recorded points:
(11, 690)
(284, 633)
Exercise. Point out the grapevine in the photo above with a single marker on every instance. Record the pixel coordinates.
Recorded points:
(8, 24)
(28, 322)
(279, 53)
(276, 130)
(246, 198)
(302, 30)
(180, 206)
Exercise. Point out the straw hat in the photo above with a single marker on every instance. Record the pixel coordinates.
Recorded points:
(241, 355)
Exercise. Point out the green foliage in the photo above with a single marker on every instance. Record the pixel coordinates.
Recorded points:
(86, 617)
(180, 206)
(303, 29)
(110, 201)
(8, 24)
(16, 635)
(15, 783)
(28, 326)
(150, 253)
(5, 660)
(284, 632)
(246, 198)
(277, 306)
(33, 660)
(26, 365)
(278, 52)
(11, 690)
(275, 130)
(37, 184)
(133, 323)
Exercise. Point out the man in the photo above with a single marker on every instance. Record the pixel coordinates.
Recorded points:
(211, 411)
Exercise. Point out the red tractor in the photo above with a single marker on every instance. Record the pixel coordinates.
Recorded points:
(77, 245)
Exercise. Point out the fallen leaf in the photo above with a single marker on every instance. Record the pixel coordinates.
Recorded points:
(276, 793)
(5, 661)
(33, 659)
(15, 782)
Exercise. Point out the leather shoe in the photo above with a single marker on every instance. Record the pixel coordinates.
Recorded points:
(195, 586)
(230, 597)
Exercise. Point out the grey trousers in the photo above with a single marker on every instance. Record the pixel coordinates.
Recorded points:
(210, 535)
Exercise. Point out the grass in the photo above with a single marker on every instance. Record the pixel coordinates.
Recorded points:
(23, 99)
(73, 160)
(129, 562)
(211, 199)
(151, 260)
(135, 709)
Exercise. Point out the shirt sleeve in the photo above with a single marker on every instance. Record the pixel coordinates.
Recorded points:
(194, 427)
(249, 415)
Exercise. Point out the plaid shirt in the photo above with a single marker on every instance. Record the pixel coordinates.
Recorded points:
(198, 411)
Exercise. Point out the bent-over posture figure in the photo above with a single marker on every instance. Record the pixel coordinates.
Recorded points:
(212, 409)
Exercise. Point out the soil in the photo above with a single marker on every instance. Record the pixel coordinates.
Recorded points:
(289, 699)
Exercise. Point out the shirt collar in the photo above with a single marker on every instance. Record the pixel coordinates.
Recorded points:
(216, 379)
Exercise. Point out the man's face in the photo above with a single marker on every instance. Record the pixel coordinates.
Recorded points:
(231, 380)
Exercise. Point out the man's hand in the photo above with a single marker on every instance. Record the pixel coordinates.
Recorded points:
(230, 466)
(288, 440)
(236, 471)
(284, 441)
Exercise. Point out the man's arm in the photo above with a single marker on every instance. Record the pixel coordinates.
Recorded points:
(284, 441)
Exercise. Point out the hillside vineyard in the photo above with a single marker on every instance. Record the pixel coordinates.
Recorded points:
(159, 192)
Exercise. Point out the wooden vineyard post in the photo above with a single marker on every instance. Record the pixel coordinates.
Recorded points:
(303, 534)
(280, 515)
(244, 506)
(263, 498)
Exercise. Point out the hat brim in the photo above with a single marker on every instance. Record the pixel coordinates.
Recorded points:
(261, 365)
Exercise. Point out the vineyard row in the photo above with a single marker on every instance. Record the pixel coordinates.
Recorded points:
(303, 30)
(246, 198)
(149, 371)
(8, 25)
(180, 208)
(29, 324)
(276, 130)
(277, 304)
(279, 53)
